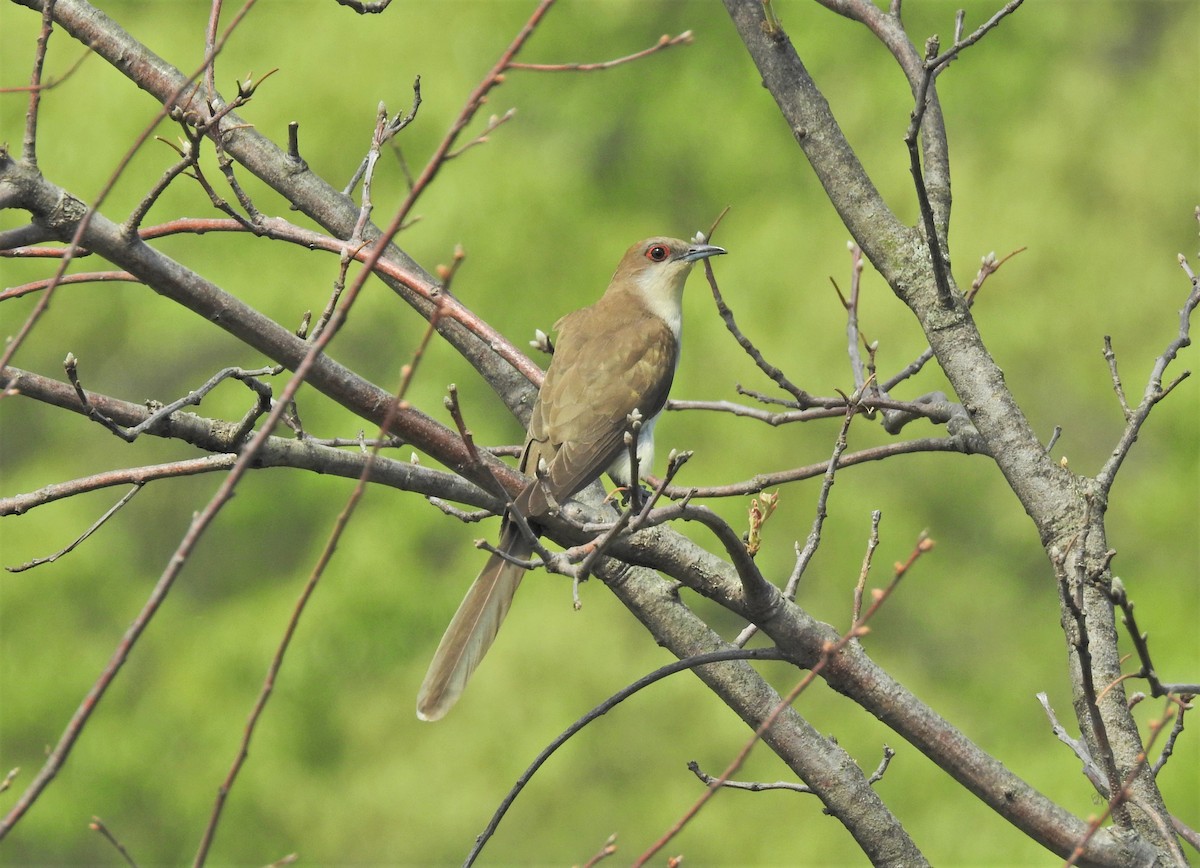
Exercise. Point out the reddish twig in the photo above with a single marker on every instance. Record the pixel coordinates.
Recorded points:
(1122, 793)
(82, 227)
(475, 101)
(664, 42)
(19, 504)
(80, 277)
(97, 825)
(609, 849)
(44, 85)
(306, 593)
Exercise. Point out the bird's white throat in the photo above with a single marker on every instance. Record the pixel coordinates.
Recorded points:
(662, 293)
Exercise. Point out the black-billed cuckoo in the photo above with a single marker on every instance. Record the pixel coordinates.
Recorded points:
(611, 359)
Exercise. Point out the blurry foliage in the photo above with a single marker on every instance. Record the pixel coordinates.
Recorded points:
(1074, 134)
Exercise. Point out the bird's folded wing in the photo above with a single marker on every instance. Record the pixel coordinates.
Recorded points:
(579, 424)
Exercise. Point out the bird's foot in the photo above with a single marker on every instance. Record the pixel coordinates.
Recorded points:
(629, 494)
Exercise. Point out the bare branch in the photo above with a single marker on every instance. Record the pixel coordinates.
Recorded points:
(876, 453)
(805, 555)
(86, 218)
(1142, 646)
(759, 786)
(219, 436)
(664, 42)
(777, 375)
(858, 628)
(1176, 731)
(97, 825)
(36, 562)
(343, 520)
(960, 44)
(387, 133)
(865, 570)
(1123, 793)
(193, 398)
(1155, 390)
(1094, 773)
(599, 711)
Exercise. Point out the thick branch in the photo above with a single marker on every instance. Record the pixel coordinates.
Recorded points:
(213, 435)
(818, 761)
(1069, 524)
(854, 674)
(61, 212)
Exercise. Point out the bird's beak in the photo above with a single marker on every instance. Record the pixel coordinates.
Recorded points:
(701, 251)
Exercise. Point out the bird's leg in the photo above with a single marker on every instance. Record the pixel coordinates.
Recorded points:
(636, 495)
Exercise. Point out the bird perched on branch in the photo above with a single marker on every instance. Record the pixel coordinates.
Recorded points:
(612, 359)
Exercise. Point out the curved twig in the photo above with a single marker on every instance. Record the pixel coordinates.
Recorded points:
(600, 710)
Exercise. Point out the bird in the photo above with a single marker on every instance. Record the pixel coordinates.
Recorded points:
(612, 359)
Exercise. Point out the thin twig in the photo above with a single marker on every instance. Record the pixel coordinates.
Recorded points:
(960, 44)
(851, 307)
(988, 266)
(599, 711)
(1155, 391)
(9, 778)
(49, 559)
(306, 593)
(814, 535)
(97, 825)
(1141, 645)
(1176, 730)
(941, 270)
(1111, 358)
(875, 453)
(193, 398)
(865, 570)
(168, 106)
(935, 407)
(1122, 793)
(609, 849)
(1093, 772)
(801, 397)
(29, 143)
(632, 518)
(475, 101)
(759, 786)
(664, 42)
(19, 504)
(386, 134)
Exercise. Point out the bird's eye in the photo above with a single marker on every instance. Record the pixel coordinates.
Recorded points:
(657, 252)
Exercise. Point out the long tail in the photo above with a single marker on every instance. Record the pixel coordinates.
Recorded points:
(473, 628)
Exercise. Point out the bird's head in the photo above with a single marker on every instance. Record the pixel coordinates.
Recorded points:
(656, 270)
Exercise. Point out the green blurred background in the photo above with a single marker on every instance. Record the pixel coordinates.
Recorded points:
(1074, 133)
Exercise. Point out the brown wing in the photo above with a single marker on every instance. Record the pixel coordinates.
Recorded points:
(594, 382)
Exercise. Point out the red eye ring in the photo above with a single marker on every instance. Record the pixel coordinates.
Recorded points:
(657, 252)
